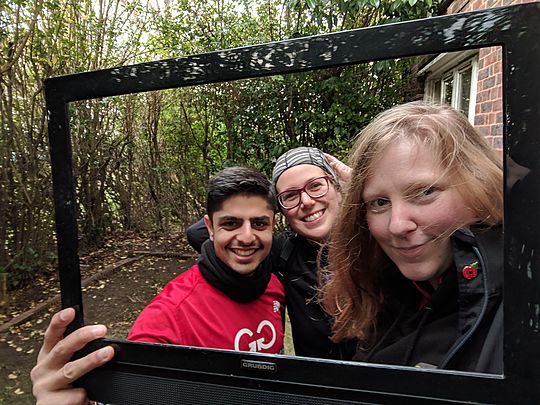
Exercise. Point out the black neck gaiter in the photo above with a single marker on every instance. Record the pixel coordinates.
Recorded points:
(238, 287)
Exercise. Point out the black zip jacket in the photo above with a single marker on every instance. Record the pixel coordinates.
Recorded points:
(460, 327)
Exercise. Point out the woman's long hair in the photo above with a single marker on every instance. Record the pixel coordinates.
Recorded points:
(352, 295)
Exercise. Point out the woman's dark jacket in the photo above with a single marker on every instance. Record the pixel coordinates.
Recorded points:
(294, 261)
(460, 327)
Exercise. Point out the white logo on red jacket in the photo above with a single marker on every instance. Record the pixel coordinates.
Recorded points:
(258, 344)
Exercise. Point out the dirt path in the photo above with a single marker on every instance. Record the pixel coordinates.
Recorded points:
(114, 300)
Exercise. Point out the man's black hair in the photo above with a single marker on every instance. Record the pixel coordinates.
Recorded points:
(234, 181)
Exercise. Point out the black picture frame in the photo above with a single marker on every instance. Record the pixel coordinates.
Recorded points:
(158, 374)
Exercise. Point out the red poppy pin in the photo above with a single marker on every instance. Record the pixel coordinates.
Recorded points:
(471, 271)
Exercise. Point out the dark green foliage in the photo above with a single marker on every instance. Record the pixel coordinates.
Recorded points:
(141, 162)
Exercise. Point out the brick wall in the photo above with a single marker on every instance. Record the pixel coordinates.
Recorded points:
(488, 118)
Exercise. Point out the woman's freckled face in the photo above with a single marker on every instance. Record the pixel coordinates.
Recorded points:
(412, 209)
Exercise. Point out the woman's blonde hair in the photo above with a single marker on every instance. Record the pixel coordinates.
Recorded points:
(352, 295)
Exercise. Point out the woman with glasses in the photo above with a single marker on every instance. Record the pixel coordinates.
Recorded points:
(309, 196)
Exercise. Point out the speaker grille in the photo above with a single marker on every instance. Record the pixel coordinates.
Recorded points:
(125, 388)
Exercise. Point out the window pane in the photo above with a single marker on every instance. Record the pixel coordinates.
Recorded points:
(437, 91)
(465, 90)
(447, 89)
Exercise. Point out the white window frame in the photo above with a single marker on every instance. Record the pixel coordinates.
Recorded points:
(451, 65)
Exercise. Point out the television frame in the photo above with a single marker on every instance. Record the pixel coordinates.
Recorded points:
(142, 373)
